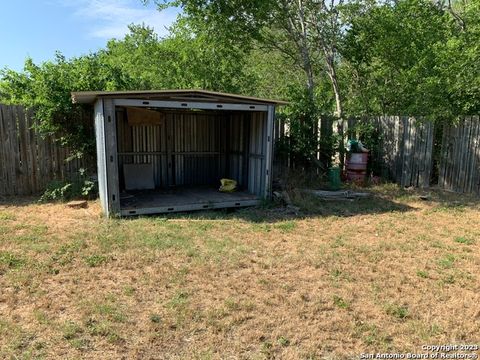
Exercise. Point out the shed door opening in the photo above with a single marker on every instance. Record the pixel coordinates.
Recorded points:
(186, 153)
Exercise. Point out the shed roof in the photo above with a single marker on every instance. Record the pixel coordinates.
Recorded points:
(87, 97)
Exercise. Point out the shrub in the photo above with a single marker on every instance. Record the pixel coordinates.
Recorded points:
(81, 187)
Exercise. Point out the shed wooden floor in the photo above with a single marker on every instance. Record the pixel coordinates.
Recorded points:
(182, 199)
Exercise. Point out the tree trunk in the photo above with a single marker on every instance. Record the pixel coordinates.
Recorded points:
(310, 81)
(302, 44)
(332, 74)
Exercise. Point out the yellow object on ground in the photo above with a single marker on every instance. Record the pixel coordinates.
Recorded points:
(228, 185)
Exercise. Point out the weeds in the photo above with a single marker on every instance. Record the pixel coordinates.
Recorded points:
(340, 302)
(95, 260)
(11, 261)
(423, 274)
(447, 261)
(7, 216)
(464, 240)
(286, 226)
(397, 311)
(283, 341)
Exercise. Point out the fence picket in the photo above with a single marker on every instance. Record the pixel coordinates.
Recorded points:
(27, 161)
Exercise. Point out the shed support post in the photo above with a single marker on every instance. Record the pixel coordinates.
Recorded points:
(112, 157)
(101, 155)
(269, 152)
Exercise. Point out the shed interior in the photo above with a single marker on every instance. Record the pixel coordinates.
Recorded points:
(186, 152)
(163, 151)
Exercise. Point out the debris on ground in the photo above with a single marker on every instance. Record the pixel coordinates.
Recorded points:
(283, 196)
(78, 204)
(339, 195)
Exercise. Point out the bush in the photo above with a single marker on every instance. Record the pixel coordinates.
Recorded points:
(302, 143)
(82, 187)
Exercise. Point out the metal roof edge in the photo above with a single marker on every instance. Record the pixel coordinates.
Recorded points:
(90, 96)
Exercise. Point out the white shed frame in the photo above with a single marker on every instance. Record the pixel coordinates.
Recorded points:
(255, 166)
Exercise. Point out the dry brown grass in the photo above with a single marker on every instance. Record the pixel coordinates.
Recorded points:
(387, 274)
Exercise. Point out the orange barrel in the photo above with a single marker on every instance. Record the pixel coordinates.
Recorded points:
(356, 166)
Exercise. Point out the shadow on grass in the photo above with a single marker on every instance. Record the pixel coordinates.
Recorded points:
(308, 207)
(433, 195)
(385, 198)
(19, 200)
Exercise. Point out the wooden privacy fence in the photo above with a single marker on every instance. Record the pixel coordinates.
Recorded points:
(409, 155)
(405, 152)
(29, 161)
(459, 169)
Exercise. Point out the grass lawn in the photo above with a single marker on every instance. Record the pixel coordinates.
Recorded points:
(386, 274)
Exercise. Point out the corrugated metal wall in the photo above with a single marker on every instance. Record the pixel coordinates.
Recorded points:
(198, 148)
(257, 152)
(197, 144)
(236, 144)
(148, 140)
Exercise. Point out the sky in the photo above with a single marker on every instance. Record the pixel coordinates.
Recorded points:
(38, 28)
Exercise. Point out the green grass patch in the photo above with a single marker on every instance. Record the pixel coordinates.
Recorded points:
(464, 240)
(423, 274)
(31, 233)
(67, 252)
(71, 330)
(11, 261)
(103, 328)
(41, 317)
(449, 279)
(155, 318)
(111, 311)
(338, 241)
(168, 239)
(340, 302)
(283, 341)
(179, 300)
(129, 290)
(95, 260)
(397, 311)
(262, 228)
(370, 334)
(286, 226)
(7, 216)
(447, 261)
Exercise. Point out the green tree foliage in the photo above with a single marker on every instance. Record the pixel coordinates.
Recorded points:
(305, 33)
(459, 59)
(411, 57)
(181, 60)
(405, 57)
(46, 89)
(139, 61)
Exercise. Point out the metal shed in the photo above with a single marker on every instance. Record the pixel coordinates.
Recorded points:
(166, 151)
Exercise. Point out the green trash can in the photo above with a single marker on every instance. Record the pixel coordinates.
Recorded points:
(334, 178)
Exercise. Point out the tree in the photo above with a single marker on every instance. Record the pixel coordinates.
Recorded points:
(46, 89)
(139, 61)
(306, 32)
(413, 57)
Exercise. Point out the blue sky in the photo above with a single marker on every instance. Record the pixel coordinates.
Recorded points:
(37, 28)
